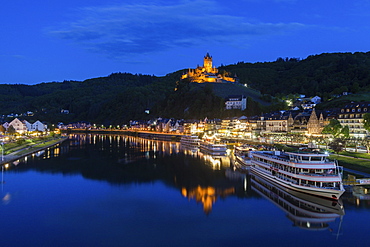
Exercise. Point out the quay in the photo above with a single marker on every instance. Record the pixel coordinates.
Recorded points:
(140, 133)
(16, 155)
(352, 180)
(159, 136)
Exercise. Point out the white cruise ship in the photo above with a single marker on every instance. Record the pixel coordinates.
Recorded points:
(310, 173)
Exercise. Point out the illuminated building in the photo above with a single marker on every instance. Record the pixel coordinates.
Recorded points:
(207, 73)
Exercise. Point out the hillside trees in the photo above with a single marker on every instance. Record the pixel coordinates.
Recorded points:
(315, 75)
(191, 101)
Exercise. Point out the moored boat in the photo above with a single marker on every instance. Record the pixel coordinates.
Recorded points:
(310, 173)
(191, 140)
(213, 148)
(242, 157)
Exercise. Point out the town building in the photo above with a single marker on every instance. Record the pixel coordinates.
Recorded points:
(315, 125)
(236, 102)
(38, 126)
(276, 123)
(351, 115)
(19, 126)
(23, 126)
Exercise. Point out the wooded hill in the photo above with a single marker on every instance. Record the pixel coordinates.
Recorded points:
(120, 97)
(324, 75)
(107, 100)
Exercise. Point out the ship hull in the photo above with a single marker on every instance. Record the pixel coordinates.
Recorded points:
(316, 191)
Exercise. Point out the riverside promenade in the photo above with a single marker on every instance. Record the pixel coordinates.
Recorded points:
(23, 152)
(164, 136)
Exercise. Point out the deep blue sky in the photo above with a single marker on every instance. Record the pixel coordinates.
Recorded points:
(44, 41)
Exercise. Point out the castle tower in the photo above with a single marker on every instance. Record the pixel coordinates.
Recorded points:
(207, 64)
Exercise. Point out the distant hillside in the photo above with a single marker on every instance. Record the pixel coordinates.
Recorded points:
(224, 90)
(114, 99)
(324, 75)
(120, 97)
(200, 100)
(344, 100)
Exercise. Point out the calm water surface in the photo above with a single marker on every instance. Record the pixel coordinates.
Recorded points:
(107, 190)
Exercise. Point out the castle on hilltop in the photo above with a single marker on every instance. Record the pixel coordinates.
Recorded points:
(207, 73)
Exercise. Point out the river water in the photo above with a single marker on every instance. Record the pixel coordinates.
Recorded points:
(114, 190)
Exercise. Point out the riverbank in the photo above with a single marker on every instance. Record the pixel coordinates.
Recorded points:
(353, 163)
(28, 150)
(139, 133)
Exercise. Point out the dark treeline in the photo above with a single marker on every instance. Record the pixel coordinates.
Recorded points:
(105, 100)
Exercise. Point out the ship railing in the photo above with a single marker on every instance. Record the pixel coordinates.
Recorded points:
(323, 187)
(274, 157)
(308, 185)
(333, 174)
(288, 179)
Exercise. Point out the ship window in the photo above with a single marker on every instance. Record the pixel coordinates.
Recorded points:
(316, 158)
(305, 158)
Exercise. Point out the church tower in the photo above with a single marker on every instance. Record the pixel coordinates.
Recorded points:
(207, 64)
(313, 126)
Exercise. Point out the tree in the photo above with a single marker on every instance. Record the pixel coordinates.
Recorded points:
(366, 122)
(2, 129)
(334, 128)
(344, 132)
(11, 130)
(337, 145)
(366, 143)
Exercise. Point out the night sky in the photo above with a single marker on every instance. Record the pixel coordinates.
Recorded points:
(44, 41)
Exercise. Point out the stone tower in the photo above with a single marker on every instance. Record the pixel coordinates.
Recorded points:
(207, 64)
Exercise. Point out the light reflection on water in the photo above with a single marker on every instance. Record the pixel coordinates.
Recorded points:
(112, 190)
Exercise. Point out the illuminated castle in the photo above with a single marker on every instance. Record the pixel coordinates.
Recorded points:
(207, 73)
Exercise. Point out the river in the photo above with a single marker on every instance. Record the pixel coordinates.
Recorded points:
(116, 190)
